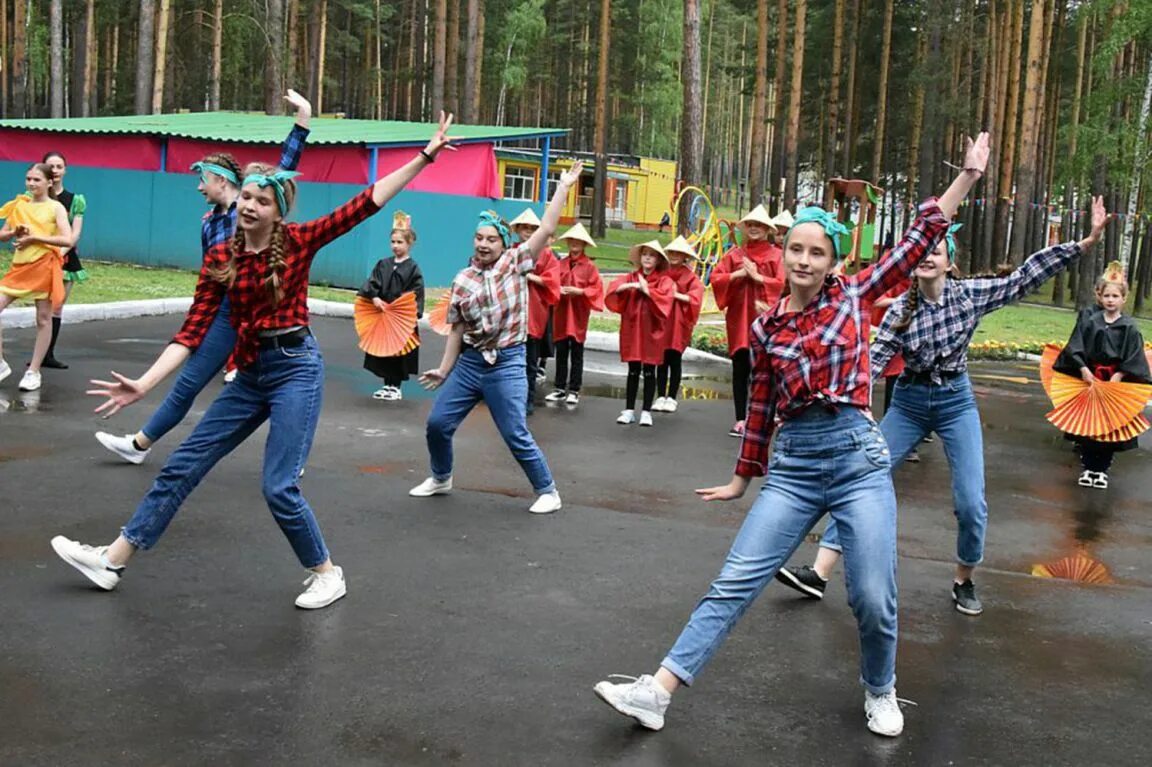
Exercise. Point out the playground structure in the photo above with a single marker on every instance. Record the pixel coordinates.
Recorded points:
(841, 197)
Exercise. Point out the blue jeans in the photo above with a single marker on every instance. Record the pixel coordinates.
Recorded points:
(950, 411)
(822, 462)
(198, 370)
(284, 387)
(504, 388)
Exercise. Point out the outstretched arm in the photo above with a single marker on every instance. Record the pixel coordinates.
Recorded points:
(975, 161)
(389, 186)
(539, 239)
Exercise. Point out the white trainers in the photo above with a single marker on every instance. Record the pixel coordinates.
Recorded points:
(123, 447)
(5, 369)
(883, 713)
(230, 376)
(546, 503)
(323, 589)
(642, 699)
(89, 560)
(645, 418)
(431, 486)
(387, 393)
(557, 395)
(626, 417)
(573, 398)
(658, 405)
(670, 405)
(30, 381)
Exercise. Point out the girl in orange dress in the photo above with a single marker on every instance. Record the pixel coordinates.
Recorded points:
(39, 226)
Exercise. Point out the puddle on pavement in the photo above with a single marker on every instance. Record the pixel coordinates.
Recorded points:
(23, 453)
(687, 393)
(24, 402)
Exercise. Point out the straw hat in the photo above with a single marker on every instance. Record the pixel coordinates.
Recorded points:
(759, 215)
(681, 245)
(527, 218)
(783, 221)
(634, 251)
(578, 232)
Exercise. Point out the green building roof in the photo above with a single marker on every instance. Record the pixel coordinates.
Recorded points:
(261, 129)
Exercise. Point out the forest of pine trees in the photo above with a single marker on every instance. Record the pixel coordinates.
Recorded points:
(757, 99)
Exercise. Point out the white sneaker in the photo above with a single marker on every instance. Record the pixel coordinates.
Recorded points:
(323, 589)
(645, 418)
(670, 405)
(626, 417)
(658, 405)
(123, 447)
(556, 396)
(642, 699)
(5, 369)
(573, 398)
(89, 560)
(431, 486)
(883, 713)
(546, 503)
(30, 381)
(230, 375)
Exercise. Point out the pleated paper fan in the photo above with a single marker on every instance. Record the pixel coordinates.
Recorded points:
(1098, 409)
(438, 317)
(389, 332)
(1047, 360)
(1074, 568)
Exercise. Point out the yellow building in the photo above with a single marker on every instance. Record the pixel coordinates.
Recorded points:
(640, 190)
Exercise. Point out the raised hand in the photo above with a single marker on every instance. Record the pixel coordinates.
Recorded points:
(440, 139)
(977, 152)
(302, 105)
(572, 175)
(1100, 217)
(119, 393)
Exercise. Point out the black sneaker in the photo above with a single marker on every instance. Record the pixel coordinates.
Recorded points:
(803, 579)
(964, 595)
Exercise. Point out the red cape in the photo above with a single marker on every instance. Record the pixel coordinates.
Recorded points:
(541, 298)
(570, 319)
(643, 318)
(684, 316)
(738, 297)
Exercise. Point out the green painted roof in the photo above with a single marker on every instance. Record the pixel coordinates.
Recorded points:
(262, 129)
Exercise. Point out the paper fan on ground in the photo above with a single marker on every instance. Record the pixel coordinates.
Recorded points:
(389, 332)
(1078, 567)
(438, 317)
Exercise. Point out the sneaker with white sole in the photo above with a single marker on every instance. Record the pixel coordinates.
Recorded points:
(546, 503)
(430, 487)
(658, 405)
(30, 381)
(965, 599)
(804, 579)
(737, 429)
(642, 698)
(572, 399)
(557, 395)
(5, 369)
(89, 560)
(670, 405)
(124, 447)
(884, 714)
(323, 589)
(645, 418)
(626, 417)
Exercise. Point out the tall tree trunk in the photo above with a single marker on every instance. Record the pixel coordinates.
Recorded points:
(690, 169)
(759, 104)
(776, 164)
(91, 59)
(792, 142)
(1029, 126)
(56, 56)
(145, 56)
(852, 111)
(882, 103)
(473, 56)
(161, 55)
(1008, 146)
(319, 48)
(1141, 162)
(217, 55)
(439, 55)
(5, 66)
(912, 172)
(833, 108)
(452, 59)
(291, 50)
(600, 179)
(274, 60)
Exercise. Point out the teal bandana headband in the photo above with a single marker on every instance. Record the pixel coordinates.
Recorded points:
(219, 170)
(276, 181)
(814, 214)
(489, 218)
(950, 242)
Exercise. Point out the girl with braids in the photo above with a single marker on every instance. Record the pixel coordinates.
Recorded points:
(263, 271)
(932, 324)
(484, 356)
(811, 389)
(220, 176)
(74, 272)
(39, 225)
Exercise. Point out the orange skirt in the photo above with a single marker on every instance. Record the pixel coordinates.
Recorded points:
(40, 280)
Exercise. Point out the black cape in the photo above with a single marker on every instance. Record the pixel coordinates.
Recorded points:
(388, 281)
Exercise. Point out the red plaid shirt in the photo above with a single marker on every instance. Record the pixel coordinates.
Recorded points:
(820, 354)
(252, 307)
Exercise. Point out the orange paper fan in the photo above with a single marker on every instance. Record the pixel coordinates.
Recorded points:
(438, 317)
(1047, 360)
(389, 332)
(1097, 410)
(1074, 568)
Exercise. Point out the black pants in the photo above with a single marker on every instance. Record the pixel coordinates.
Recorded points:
(634, 369)
(741, 380)
(889, 387)
(1095, 458)
(668, 374)
(531, 365)
(569, 381)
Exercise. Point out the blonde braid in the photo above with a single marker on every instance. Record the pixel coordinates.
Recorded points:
(277, 263)
(227, 273)
(911, 302)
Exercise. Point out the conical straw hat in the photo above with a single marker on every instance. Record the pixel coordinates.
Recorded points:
(783, 220)
(578, 232)
(634, 251)
(527, 218)
(681, 245)
(758, 215)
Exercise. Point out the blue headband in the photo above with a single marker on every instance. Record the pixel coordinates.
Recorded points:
(489, 218)
(814, 214)
(219, 170)
(950, 241)
(276, 181)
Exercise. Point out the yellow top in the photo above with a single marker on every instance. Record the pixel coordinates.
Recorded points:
(39, 217)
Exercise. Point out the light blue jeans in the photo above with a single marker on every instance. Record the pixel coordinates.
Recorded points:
(205, 362)
(949, 410)
(284, 387)
(504, 388)
(822, 462)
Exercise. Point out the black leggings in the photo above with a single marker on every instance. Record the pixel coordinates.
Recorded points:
(1096, 458)
(889, 388)
(741, 380)
(634, 384)
(564, 380)
(668, 374)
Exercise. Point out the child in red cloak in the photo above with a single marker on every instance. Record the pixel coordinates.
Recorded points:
(689, 297)
(581, 293)
(643, 298)
(748, 275)
(543, 293)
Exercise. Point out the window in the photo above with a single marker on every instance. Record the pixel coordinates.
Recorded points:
(519, 183)
(553, 182)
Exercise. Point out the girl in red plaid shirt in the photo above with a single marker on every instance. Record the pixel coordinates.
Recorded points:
(810, 377)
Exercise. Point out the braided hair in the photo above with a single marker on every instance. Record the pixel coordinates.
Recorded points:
(224, 160)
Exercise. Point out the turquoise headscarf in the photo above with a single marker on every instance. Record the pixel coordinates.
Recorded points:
(219, 170)
(950, 242)
(490, 218)
(814, 214)
(276, 181)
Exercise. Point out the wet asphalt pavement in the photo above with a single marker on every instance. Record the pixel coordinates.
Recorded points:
(473, 632)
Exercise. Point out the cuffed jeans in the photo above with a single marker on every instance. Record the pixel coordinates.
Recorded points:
(822, 462)
(504, 388)
(284, 387)
(204, 363)
(949, 410)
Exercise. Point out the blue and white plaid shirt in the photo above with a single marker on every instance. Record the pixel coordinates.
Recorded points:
(936, 341)
(219, 224)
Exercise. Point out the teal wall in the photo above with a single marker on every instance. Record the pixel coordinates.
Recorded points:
(153, 219)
